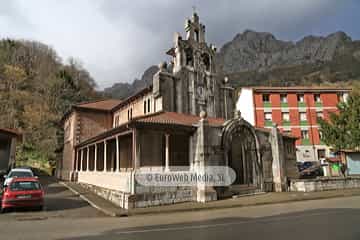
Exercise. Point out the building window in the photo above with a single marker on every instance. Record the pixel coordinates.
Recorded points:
(342, 97)
(303, 116)
(287, 132)
(266, 98)
(317, 98)
(149, 105)
(319, 115)
(304, 134)
(268, 117)
(285, 116)
(130, 114)
(116, 120)
(283, 98)
(300, 98)
(145, 107)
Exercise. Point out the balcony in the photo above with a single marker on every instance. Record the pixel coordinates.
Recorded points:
(305, 142)
(268, 123)
(284, 105)
(267, 104)
(286, 123)
(301, 104)
(304, 123)
(318, 104)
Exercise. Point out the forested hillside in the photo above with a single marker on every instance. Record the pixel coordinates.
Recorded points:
(36, 89)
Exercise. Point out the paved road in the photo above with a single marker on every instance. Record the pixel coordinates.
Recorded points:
(319, 219)
(59, 203)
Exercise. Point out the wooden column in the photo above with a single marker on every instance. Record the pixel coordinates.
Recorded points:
(117, 155)
(167, 152)
(105, 156)
(95, 160)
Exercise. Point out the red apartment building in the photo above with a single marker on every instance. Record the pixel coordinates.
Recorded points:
(295, 110)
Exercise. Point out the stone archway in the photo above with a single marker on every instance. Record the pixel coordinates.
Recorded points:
(241, 152)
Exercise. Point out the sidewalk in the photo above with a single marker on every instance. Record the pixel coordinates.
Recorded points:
(259, 199)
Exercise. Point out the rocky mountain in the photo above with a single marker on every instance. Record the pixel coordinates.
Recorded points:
(257, 58)
(123, 90)
(254, 58)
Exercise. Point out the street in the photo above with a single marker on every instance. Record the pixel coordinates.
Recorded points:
(68, 217)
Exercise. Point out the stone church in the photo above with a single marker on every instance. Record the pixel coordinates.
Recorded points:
(185, 118)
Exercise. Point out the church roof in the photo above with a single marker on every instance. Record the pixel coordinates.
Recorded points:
(106, 105)
(173, 118)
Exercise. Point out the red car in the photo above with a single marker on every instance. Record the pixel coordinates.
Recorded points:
(23, 192)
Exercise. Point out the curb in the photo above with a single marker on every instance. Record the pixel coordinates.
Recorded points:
(93, 204)
(134, 213)
(195, 209)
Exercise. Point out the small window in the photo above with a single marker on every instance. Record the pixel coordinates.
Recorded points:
(304, 134)
(303, 116)
(130, 113)
(317, 98)
(300, 97)
(320, 115)
(268, 116)
(266, 98)
(145, 107)
(283, 98)
(116, 120)
(285, 116)
(287, 132)
(149, 105)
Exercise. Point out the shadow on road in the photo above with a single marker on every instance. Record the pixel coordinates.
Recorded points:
(321, 224)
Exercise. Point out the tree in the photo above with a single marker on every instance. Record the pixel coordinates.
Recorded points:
(343, 129)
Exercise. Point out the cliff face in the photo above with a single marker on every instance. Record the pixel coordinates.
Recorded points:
(262, 51)
(124, 90)
(256, 58)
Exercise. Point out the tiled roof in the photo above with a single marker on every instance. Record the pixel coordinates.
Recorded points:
(106, 105)
(11, 132)
(300, 88)
(174, 118)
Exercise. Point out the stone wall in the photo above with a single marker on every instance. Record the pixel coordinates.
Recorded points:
(91, 123)
(324, 184)
(153, 196)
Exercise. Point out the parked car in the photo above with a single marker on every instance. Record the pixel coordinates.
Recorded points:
(17, 172)
(310, 169)
(22, 192)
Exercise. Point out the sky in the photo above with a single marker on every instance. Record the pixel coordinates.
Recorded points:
(116, 40)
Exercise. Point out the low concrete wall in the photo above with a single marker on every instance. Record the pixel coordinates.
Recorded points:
(324, 184)
(118, 181)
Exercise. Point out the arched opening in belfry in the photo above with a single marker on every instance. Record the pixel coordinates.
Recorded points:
(206, 61)
(189, 57)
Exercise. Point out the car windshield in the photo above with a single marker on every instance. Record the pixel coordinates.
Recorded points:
(23, 186)
(20, 174)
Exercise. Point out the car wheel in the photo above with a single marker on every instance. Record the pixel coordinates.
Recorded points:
(2, 210)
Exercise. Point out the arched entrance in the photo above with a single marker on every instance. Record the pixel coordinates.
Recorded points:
(241, 152)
